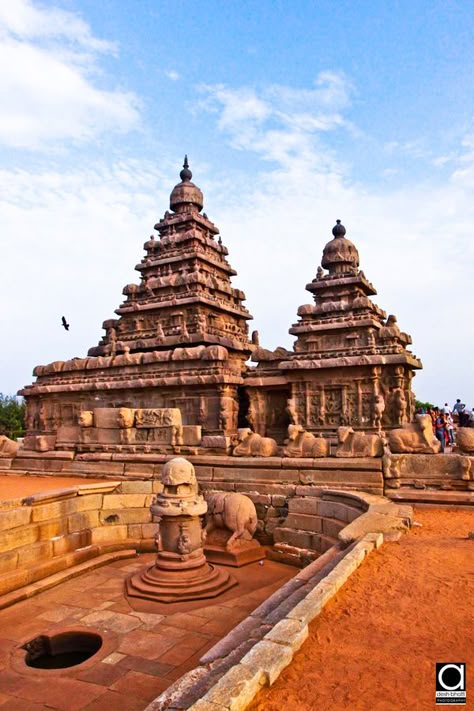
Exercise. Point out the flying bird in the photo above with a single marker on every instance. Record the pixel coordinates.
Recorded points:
(65, 323)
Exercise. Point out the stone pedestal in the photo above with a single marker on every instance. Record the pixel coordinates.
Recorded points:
(241, 552)
(181, 572)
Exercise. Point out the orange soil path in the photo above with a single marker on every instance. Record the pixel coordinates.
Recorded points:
(375, 645)
(13, 487)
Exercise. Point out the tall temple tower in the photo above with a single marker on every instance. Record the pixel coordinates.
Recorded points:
(180, 339)
(185, 295)
(350, 364)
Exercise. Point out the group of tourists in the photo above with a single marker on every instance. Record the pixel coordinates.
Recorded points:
(445, 419)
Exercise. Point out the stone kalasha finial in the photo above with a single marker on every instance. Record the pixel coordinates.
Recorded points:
(185, 196)
(340, 255)
(185, 174)
(338, 230)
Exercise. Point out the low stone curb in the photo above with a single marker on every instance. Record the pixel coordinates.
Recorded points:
(28, 591)
(256, 661)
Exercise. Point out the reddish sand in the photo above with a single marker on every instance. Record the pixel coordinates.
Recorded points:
(375, 645)
(13, 487)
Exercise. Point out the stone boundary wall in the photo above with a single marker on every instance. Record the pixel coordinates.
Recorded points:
(254, 653)
(43, 534)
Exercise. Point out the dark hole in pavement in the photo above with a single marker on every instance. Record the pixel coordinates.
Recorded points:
(66, 649)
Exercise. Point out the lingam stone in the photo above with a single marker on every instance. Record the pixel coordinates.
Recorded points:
(181, 572)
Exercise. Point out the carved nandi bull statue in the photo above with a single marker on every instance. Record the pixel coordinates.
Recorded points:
(304, 444)
(358, 444)
(236, 512)
(251, 444)
(416, 437)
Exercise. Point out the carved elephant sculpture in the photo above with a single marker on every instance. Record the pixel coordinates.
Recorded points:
(233, 511)
(358, 444)
(251, 444)
(416, 437)
(304, 444)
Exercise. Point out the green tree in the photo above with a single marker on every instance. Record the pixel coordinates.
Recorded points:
(425, 405)
(12, 416)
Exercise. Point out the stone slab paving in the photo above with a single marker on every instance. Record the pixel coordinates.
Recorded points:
(144, 650)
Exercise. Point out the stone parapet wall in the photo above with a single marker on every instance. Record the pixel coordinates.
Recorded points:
(43, 534)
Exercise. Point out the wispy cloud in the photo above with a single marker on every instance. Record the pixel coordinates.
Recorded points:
(47, 71)
(279, 122)
(172, 74)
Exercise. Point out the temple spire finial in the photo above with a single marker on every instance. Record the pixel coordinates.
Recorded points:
(185, 174)
(338, 230)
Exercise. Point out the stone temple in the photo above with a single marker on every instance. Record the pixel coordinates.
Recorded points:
(177, 355)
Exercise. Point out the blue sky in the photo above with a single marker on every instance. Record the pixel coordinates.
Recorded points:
(293, 114)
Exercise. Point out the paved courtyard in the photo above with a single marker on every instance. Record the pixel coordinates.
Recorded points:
(145, 647)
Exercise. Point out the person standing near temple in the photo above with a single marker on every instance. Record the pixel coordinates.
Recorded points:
(440, 429)
(450, 428)
(458, 407)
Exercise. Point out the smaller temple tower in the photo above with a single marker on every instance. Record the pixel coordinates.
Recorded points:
(350, 364)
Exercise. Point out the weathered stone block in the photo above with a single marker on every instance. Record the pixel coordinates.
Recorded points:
(14, 517)
(332, 527)
(13, 580)
(306, 505)
(54, 510)
(89, 502)
(108, 534)
(8, 561)
(123, 501)
(113, 417)
(80, 521)
(306, 610)
(192, 435)
(142, 469)
(268, 657)
(215, 442)
(30, 555)
(127, 516)
(65, 544)
(304, 522)
(49, 529)
(292, 633)
(18, 537)
(236, 688)
(68, 434)
(300, 539)
(136, 487)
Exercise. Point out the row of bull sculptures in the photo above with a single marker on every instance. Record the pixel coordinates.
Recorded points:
(414, 438)
(417, 438)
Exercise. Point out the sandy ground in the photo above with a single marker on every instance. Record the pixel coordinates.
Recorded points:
(375, 645)
(12, 487)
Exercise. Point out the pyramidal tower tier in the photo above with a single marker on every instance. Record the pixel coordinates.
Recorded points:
(350, 364)
(179, 342)
(185, 294)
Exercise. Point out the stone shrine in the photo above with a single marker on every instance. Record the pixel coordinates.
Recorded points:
(349, 365)
(171, 374)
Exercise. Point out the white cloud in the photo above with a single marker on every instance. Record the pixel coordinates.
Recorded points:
(47, 63)
(70, 242)
(414, 240)
(24, 20)
(173, 75)
(281, 123)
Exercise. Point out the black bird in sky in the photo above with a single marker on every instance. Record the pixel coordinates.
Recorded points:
(65, 323)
